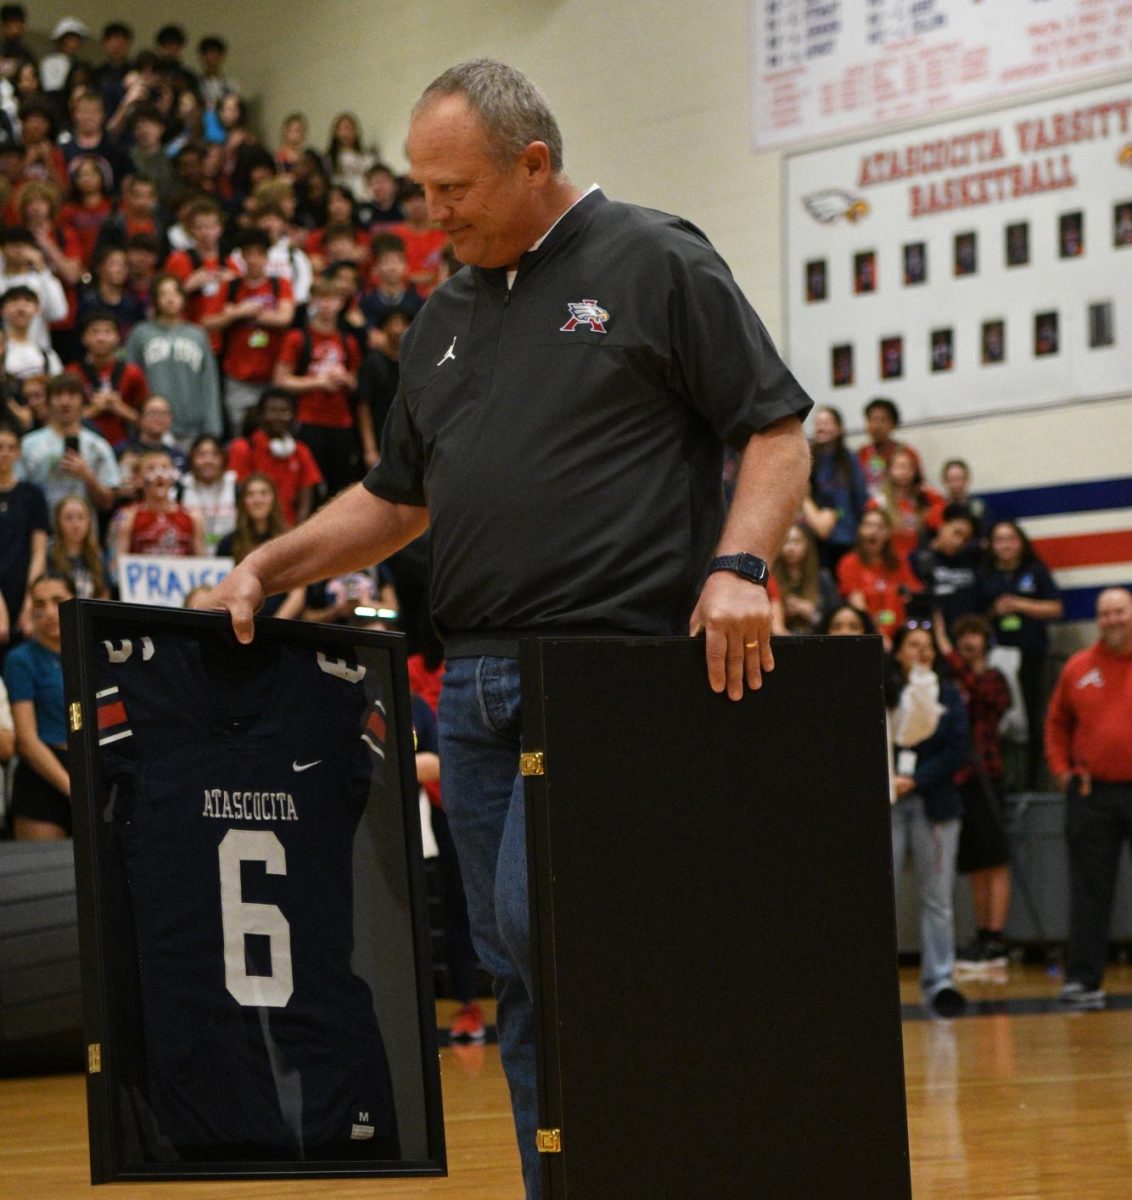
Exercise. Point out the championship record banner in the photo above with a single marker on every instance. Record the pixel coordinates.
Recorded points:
(167, 580)
(971, 267)
(821, 69)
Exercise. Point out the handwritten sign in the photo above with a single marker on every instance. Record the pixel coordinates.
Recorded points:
(157, 579)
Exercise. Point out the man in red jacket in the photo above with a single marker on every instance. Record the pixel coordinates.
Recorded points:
(1090, 756)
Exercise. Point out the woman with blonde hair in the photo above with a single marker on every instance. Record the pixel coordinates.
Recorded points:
(348, 158)
(280, 191)
(258, 520)
(914, 509)
(74, 548)
(39, 204)
(806, 590)
(292, 140)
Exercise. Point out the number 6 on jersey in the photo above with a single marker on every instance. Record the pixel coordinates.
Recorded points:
(239, 918)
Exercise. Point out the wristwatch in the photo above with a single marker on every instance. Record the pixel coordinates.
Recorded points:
(746, 565)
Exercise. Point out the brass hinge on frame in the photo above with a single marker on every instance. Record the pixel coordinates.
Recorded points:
(94, 1058)
(532, 763)
(549, 1141)
(75, 716)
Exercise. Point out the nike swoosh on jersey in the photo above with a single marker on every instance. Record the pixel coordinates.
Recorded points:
(297, 767)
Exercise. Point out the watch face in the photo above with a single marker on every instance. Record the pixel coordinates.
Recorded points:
(753, 568)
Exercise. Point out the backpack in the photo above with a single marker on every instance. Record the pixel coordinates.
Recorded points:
(303, 362)
(234, 287)
(95, 380)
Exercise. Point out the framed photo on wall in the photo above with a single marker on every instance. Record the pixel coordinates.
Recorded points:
(256, 970)
(1046, 336)
(1122, 224)
(1017, 244)
(966, 254)
(891, 357)
(915, 263)
(841, 365)
(865, 272)
(993, 342)
(1071, 235)
(816, 281)
(1102, 331)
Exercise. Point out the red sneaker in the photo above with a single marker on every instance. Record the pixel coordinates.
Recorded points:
(467, 1025)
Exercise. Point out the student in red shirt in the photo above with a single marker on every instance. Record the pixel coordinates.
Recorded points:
(142, 257)
(202, 271)
(882, 418)
(258, 310)
(157, 524)
(138, 214)
(423, 241)
(115, 390)
(1090, 757)
(273, 450)
(916, 511)
(319, 365)
(39, 207)
(42, 158)
(871, 577)
(91, 208)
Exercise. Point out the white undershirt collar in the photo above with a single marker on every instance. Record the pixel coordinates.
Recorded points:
(592, 188)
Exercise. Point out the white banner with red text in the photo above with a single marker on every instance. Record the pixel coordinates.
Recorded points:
(966, 268)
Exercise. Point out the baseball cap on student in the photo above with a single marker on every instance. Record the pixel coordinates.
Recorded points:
(69, 25)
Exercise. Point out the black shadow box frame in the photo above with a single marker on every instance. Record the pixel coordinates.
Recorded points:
(315, 984)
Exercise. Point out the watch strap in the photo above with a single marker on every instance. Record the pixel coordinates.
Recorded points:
(748, 566)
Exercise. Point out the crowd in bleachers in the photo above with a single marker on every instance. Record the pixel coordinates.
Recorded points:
(873, 533)
(199, 344)
(199, 340)
(184, 307)
(963, 604)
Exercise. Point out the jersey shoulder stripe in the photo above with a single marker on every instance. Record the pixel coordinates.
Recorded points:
(113, 721)
(374, 732)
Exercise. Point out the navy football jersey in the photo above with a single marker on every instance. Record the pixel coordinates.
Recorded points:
(236, 797)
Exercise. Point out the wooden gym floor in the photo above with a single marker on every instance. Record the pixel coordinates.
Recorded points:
(1000, 1107)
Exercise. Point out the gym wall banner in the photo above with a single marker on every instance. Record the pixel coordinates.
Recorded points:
(970, 267)
(824, 69)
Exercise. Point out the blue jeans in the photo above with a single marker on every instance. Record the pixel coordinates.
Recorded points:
(933, 845)
(480, 740)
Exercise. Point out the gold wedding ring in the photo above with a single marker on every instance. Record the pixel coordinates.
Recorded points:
(751, 645)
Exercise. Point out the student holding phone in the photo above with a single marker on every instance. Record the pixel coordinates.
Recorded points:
(64, 457)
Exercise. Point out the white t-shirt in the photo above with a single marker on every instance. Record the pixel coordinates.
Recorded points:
(214, 503)
(23, 359)
(41, 452)
(52, 301)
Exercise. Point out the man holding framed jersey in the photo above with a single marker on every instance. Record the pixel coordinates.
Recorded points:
(560, 423)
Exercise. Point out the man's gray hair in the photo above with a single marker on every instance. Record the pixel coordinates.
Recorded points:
(513, 111)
